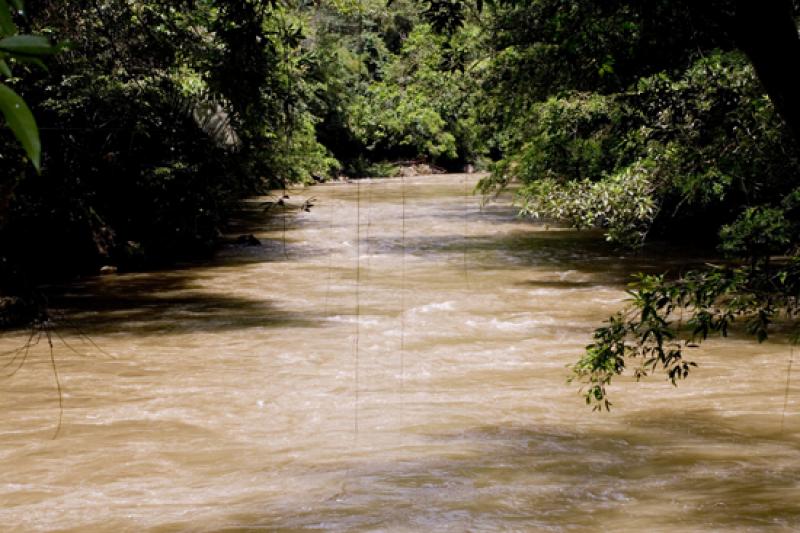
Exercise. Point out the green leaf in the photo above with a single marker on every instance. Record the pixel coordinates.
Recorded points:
(31, 45)
(7, 26)
(4, 68)
(20, 119)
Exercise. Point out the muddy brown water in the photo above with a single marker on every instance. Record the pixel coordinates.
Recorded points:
(404, 373)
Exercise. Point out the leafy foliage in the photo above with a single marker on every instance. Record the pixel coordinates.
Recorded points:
(158, 118)
(623, 204)
(648, 119)
(412, 96)
(20, 48)
(668, 316)
(643, 118)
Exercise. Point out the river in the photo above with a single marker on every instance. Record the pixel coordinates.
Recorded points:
(395, 360)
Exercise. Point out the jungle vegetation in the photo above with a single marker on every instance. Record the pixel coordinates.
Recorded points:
(650, 119)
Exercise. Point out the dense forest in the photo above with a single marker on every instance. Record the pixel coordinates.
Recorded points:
(651, 120)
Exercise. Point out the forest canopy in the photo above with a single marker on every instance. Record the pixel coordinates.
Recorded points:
(648, 119)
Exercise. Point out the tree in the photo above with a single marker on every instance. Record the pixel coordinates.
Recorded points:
(157, 120)
(646, 117)
(767, 33)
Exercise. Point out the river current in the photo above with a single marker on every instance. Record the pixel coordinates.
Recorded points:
(395, 359)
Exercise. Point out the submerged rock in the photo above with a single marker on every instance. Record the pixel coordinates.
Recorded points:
(247, 240)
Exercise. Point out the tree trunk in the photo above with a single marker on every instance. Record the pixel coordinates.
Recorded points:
(766, 31)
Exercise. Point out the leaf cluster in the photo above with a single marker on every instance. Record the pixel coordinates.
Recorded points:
(21, 49)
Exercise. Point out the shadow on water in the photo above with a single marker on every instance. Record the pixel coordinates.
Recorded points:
(582, 251)
(555, 478)
(530, 246)
(563, 284)
(168, 302)
(164, 303)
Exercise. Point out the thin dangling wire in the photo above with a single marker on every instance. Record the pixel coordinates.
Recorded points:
(330, 254)
(58, 385)
(403, 285)
(788, 383)
(358, 302)
(39, 330)
(285, 251)
(369, 227)
(466, 222)
(23, 351)
(287, 123)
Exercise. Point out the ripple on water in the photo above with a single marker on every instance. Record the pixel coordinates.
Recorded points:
(241, 399)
